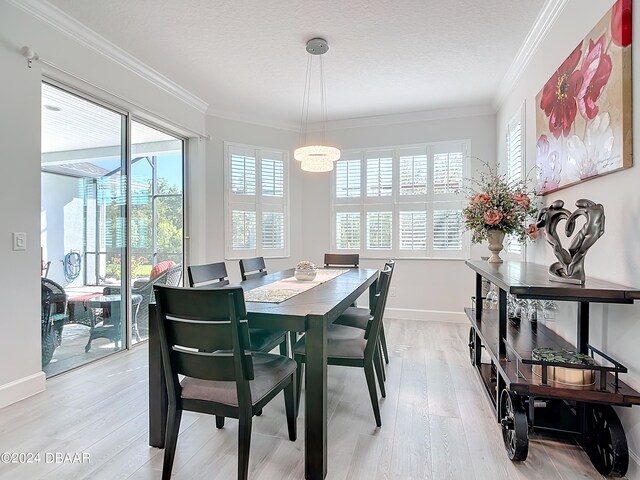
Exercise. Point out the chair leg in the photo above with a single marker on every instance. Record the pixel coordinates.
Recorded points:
(171, 439)
(219, 421)
(377, 362)
(244, 445)
(299, 372)
(371, 384)
(383, 339)
(291, 407)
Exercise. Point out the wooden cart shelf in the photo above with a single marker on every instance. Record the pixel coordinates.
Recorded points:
(524, 336)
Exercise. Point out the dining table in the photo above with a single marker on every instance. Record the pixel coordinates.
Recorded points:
(309, 312)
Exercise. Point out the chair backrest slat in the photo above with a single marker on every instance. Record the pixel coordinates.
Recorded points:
(209, 275)
(341, 259)
(197, 333)
(380, 303)
(252, 267)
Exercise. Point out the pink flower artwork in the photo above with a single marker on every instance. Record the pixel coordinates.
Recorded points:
(594, 80)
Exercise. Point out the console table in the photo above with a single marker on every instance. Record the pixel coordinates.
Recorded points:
(525, 401)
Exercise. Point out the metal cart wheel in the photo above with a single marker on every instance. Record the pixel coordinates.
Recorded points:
(515, 428)
(605, 441)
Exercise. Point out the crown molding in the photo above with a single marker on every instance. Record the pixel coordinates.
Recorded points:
(361, 122)
(536, 35)
(53, 16)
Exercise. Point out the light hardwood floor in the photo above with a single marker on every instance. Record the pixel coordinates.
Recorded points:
(436, 424)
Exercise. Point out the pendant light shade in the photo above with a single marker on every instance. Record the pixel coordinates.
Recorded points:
(315, 158)
(317, 164)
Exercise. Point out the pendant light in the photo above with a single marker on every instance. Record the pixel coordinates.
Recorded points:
(315, 158)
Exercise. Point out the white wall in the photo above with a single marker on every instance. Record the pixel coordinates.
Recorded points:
(20, 90)
(223, 130)
(616, 255)
(62, 226)
(425, 289)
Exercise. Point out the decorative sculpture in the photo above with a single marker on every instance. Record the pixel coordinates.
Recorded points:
(570, 265)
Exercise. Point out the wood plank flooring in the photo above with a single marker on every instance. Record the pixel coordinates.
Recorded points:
(436, 424)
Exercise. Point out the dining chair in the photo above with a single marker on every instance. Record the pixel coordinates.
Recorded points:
(214, 275)
(204, 336)
(359, 317)
(341, 259)
(353, 347)
(252, 268)
(209, 275)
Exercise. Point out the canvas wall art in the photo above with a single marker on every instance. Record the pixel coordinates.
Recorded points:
(583, 112)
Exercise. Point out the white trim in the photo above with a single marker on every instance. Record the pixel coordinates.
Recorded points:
(425, 315)
(53, 16)
(22, 388)
(538, 32)
(635, 458)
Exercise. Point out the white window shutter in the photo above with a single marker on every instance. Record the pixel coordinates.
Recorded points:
(379, 177)
(413, 230)
(413, 175)
(347, 178)
(447, 230)
(272, 230)
(243, 230)
(243, 175)
(514, 168)
(448, 172)
(379, 230)
(348, 230)
(272, 177)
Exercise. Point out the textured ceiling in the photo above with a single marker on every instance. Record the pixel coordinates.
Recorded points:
(247, 58)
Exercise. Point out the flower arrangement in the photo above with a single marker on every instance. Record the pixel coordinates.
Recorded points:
(305, 271)
(497, 204)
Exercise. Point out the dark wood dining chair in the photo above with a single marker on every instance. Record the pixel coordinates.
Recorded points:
(208, 275)
(341, 259)
(353, 347)
(359, 317)
(252, 268)
(214, 275)
(205, 337)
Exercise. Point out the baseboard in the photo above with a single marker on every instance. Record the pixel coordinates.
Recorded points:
(634, 466)
(425, 315)
(22, 388)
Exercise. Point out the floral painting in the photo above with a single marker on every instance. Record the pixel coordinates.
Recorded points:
(583, 113)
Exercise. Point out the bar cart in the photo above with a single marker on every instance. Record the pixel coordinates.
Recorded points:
(520, 388)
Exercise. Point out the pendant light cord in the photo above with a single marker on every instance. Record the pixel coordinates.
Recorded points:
(304, 116)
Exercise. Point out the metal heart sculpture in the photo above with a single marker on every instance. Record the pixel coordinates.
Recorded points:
(570, 265)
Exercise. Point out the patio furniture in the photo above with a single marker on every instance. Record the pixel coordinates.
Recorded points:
(53, 317)
(108, 323)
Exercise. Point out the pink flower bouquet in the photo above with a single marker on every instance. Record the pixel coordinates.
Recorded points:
(497, 204)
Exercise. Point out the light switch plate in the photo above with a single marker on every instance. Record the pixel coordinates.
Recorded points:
(19, 240)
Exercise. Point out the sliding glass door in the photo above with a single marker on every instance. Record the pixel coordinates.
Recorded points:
(112, 223)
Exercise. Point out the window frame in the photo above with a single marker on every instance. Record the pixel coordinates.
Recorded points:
(513, 247)
(397, 202)
(258, 202)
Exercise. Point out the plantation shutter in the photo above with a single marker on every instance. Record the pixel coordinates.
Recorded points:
(348, 230)
(413, 230)
(514, 168)
(347, 178)
(379, 177)
(379, 230)
(255, 202)
(413, 175)
(447, 230)
(447, 172)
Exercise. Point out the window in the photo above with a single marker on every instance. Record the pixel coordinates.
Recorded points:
(401, 201)
(256, 201)
(514, 167)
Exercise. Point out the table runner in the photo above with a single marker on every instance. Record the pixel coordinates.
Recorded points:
(278, 292)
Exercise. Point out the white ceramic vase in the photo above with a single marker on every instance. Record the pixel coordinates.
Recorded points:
(495, 237)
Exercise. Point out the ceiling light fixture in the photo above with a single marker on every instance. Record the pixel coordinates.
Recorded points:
(315, 158)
